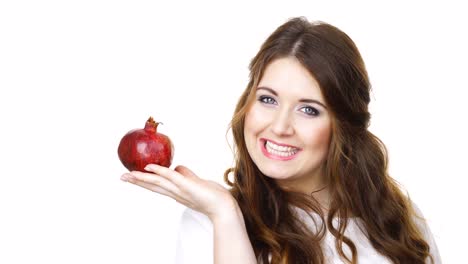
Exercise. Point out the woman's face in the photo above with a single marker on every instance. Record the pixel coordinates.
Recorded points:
(288, 128)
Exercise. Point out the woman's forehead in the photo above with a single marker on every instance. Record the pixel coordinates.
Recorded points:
(288, 77)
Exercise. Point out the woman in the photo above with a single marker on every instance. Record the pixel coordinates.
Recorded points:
(310, 182)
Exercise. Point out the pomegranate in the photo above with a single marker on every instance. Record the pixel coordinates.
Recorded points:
(140, 147)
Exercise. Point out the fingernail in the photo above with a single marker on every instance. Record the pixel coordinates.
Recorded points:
(131, 177)
(124, 178)
(147, 167)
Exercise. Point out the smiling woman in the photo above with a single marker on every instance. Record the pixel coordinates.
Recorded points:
(310, 181)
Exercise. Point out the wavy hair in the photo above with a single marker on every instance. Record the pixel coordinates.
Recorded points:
(356, 165)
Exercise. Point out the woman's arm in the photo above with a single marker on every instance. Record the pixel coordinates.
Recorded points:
(231, 242)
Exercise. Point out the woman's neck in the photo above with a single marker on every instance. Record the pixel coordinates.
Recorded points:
(316, 187)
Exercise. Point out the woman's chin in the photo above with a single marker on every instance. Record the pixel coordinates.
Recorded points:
(276, 173)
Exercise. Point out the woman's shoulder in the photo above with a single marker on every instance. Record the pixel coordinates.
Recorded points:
(424, 228)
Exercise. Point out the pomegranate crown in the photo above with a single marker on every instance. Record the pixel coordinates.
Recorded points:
(151, 124)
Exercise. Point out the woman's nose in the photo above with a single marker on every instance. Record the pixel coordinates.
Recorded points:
(282, 123)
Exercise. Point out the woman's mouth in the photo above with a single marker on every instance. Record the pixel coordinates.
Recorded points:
(278, 151)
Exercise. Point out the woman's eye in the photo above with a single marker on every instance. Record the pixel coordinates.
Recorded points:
(309, 110)
(266, 99)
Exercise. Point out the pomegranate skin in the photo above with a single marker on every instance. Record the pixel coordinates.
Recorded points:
(140, 147)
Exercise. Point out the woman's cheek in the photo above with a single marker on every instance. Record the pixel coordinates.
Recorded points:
(257, 115)
(318, 135)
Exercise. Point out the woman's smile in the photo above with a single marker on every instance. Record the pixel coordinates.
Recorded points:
(278, 151)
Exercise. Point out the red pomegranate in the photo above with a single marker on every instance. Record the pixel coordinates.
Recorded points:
(140, 147)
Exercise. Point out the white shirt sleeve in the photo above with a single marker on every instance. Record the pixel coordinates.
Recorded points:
(428, 236)
(195, 239)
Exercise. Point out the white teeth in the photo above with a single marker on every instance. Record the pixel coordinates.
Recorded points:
(282, 151)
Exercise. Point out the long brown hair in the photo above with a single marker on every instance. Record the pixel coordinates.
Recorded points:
(356, 166)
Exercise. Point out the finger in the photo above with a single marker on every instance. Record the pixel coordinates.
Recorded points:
(149, 186)
(162, 191)
(167, 173)
(152, 187)
(156, 180)
(185, 171)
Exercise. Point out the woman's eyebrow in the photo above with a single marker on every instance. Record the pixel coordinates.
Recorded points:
(303, 100)
(268, 89)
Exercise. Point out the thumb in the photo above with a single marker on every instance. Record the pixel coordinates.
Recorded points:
(185, 171)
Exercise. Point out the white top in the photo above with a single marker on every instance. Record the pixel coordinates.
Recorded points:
(195, 241)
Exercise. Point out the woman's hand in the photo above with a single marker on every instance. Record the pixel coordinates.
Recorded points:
(181, 184)
(230, 238)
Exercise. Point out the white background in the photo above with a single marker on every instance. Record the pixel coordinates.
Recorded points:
(75, 76)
